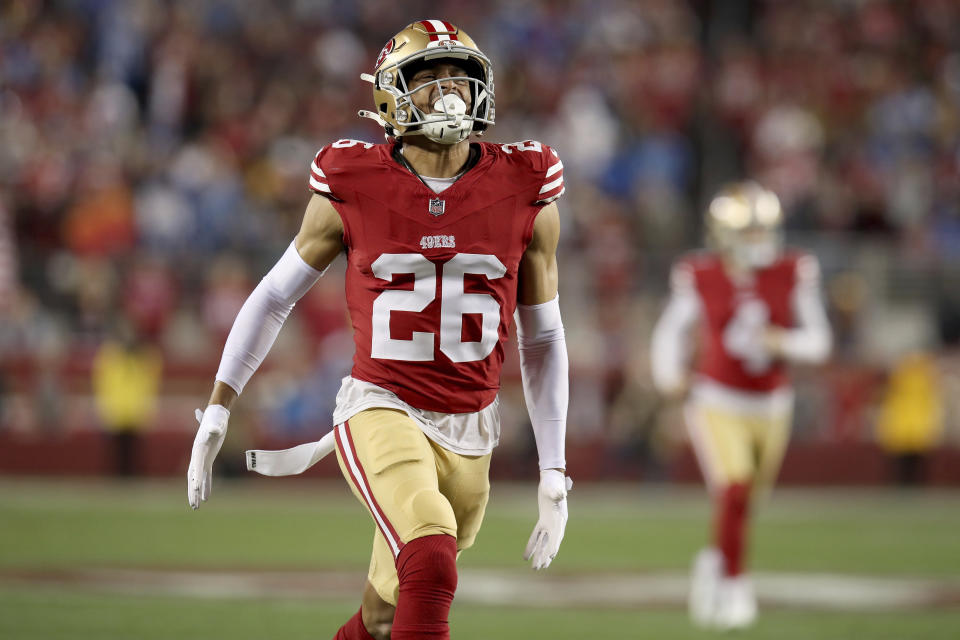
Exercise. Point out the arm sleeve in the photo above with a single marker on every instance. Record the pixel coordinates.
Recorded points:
(670, 348)
(259, 321)
(544, 369)
(810, 341)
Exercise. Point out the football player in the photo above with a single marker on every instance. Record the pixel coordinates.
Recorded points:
(446, 240)
(756, 307)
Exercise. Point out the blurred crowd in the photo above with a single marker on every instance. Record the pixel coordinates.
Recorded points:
(153, 165)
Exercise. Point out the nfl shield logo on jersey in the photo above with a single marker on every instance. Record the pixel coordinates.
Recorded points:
(437, 207)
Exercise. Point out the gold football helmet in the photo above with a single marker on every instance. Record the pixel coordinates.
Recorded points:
(406, 52)
(745, 222)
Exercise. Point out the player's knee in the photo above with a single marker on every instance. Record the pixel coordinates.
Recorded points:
(379, 630)
(429, 563)
(427, 573)
(432, 512)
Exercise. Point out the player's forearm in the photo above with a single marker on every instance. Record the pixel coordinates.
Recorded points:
(546, 391)
(261, 318)
(667, 360)
(807, 345)
(253, 333)
(669, 349)
(810, 341)
(544, 368)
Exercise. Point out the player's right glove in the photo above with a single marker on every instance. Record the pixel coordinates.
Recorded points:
(206, 446)
(544, 542)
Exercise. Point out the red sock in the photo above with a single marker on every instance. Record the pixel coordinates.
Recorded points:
(731, 527)
(353, 630)
(428, 579)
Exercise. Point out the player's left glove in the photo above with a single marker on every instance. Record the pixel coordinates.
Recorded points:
(548, 533)
(206, 446)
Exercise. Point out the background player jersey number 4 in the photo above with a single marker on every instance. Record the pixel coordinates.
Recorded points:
(454, 302)
(743, 331)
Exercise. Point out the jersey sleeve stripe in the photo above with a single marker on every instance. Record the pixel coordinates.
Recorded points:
(315, 168)
(553, 169)
(549, 199)
(550, 186)
(316, 185)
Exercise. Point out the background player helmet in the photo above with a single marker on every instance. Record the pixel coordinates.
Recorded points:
(407, 52)
(745, 222)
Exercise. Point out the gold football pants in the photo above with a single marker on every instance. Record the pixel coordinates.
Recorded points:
(736, 446)
(411, 486)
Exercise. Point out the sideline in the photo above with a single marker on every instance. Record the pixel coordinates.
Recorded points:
(825, 592)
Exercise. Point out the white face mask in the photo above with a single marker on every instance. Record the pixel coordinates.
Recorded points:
(447, 124)
(757, 254)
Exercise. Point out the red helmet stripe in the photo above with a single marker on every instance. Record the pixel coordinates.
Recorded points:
(439, 30)
(431, 30)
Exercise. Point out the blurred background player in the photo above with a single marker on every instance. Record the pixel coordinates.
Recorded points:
(445, 240)
(757, 307)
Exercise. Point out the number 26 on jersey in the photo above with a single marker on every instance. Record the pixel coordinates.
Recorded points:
(454, 303)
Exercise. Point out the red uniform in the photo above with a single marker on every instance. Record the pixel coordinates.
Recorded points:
(765, 299)
(431, 279)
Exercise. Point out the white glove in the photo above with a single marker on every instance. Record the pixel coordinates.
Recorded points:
(206, 446)
(548, 533)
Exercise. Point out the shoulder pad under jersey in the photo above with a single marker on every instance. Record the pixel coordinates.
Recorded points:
(543, 161)
(333, 158)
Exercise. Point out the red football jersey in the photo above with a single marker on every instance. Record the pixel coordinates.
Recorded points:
(733, 311)
(431, 280)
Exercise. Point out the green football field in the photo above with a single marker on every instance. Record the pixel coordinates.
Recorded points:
(285, 558)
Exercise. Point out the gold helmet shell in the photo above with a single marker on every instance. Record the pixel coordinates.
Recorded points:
(419, 42)
(745, 222)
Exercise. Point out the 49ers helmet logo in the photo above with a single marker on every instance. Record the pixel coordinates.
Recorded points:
(387, 48)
